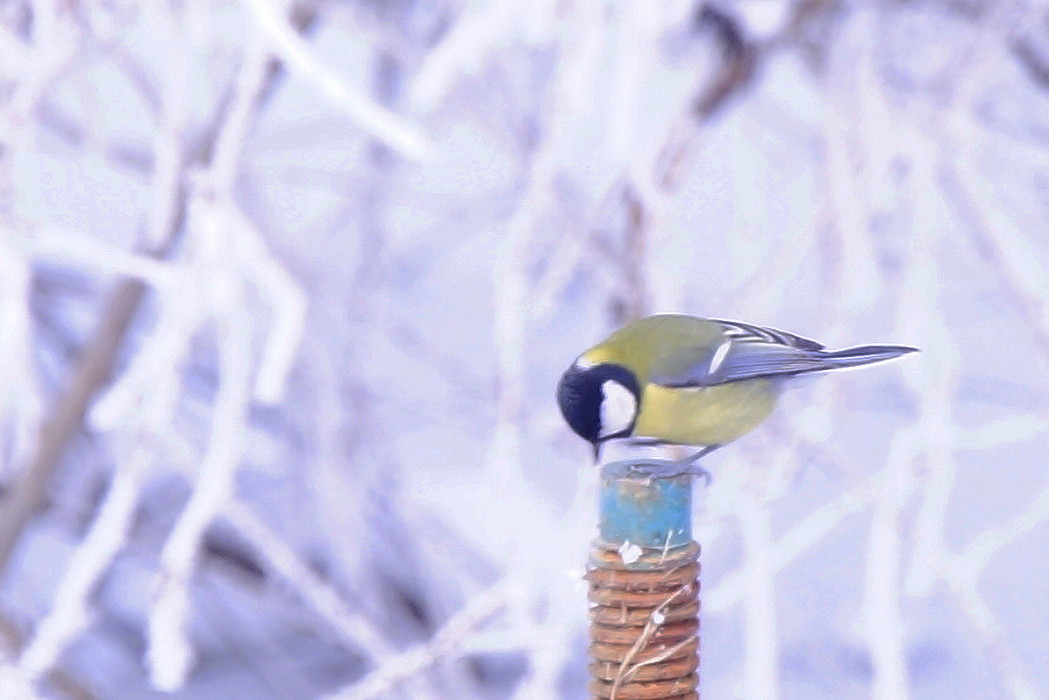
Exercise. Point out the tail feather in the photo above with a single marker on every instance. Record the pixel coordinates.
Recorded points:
(863, 355)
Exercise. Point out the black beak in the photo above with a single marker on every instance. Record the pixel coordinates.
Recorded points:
(597, 450)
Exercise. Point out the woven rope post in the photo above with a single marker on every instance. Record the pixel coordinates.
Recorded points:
(644, 592)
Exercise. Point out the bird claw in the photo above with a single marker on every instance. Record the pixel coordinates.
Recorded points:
(698, 471)
(652, 468)
(694, 468)
(640, 469)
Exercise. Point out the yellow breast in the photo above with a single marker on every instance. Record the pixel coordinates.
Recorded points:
(705, 416)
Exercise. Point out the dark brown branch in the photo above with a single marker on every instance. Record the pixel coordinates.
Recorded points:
(741, 59)
(1034, 61)
(735, 72)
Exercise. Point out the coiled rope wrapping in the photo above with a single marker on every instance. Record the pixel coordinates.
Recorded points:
(644, 623)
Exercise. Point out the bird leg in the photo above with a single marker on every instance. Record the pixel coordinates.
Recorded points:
(654, 468)
(692, 466)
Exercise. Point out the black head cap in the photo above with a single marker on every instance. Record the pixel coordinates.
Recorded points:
(587, 401)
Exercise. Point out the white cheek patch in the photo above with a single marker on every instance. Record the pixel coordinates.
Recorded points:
(618, 408)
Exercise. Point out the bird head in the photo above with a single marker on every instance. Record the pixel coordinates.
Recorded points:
(599, 401)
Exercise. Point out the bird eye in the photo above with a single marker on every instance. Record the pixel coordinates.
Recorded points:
(618, 408)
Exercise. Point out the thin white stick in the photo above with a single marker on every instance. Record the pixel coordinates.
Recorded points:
(170, 652)
(52, 244)
(759, 602)
(884, 618)
(822, 522)
(463, 49)
(20, 404)
(356, 631)
(70, 611)
(143, 403)
(287, 303)
(581, 42)
(167, 145)
(443, 646)
(375, 119)
(977, 556)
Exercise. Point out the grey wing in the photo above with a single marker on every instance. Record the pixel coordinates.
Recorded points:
(746, 352)
(746, 333)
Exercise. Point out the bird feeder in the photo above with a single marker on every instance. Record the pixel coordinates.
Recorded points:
(644, 590)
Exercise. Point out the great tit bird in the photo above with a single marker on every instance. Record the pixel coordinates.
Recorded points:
(679, 379)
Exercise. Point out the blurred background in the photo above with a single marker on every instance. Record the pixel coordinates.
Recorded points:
(286, 287)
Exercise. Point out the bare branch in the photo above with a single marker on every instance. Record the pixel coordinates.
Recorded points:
(442, 647)
(368, 114)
